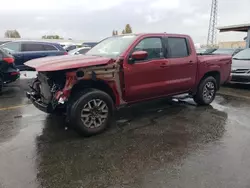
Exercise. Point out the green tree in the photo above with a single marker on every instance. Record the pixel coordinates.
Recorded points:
(115, 32)
(51, 37)
(128, 29)
(12, 34)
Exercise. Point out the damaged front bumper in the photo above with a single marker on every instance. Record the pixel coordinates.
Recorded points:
(47, 108)
(57, 103)
(47, 95)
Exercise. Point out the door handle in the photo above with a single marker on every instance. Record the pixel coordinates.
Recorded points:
(190, 61)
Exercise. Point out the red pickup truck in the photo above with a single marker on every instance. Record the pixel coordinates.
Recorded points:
(121, 70)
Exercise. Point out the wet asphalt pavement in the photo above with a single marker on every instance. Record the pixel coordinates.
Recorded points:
(157, 144)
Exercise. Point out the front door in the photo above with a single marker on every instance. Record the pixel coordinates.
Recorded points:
(146, 78)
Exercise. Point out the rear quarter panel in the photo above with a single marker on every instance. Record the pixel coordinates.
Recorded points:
(219, 63)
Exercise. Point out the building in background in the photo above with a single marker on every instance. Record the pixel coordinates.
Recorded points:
(232, 44)
(245, 28)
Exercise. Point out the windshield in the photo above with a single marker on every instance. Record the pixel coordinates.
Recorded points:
(112, 47)
(201, 50)
(224, 51)
(243, 55)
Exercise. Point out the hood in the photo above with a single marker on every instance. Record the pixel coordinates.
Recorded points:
(66, 62)
(241, 64)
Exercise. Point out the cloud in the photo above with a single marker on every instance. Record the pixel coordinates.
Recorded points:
(189, 22)
(95, 19)
(40, 18)
(152, 18)
(165, 4)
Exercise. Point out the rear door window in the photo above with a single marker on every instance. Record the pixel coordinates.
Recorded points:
(30, 47)
(178, 47)
(48, 47)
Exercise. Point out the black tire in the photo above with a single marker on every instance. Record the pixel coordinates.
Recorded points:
(200, 98)
(77, 104)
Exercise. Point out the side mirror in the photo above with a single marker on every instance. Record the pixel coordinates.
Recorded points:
(139, 55)
(77, 53)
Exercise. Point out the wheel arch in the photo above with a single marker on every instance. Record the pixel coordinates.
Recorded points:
(98, 84)
(216, 75)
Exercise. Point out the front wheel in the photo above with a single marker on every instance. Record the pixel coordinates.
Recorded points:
(206, 91)
(91, 113)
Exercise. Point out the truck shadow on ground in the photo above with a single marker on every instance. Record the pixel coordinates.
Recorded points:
(238, 86)
(146, 138)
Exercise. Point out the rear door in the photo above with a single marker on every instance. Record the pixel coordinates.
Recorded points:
(181, 66)
(32, 50)
(146, 78)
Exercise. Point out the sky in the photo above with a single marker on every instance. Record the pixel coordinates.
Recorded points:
(95, 19)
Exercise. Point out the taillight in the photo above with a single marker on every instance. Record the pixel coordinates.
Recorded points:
(9, 60)
(65, 53)
(14, 73)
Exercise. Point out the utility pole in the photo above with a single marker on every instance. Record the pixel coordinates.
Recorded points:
(212, 32)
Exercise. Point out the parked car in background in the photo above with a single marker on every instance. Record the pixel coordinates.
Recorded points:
(241, 67)
(26, 50)
(8, 71)
(79, 51)
(227, 51)
(123, 70)
(71, 47)
(205, 51)
(89, 44)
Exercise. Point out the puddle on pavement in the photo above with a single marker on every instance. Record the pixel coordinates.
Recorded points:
(155, 140)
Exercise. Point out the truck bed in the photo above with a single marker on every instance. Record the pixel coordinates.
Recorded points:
(217, 62)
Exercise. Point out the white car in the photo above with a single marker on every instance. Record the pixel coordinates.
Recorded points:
(79, 51)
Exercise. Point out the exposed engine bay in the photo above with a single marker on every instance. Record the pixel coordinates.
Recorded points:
(47, 87)
(52, 89)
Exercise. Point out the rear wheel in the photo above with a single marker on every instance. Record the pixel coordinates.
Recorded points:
(91, 113)
(206, 91)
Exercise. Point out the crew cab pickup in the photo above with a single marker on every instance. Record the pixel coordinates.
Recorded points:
(122, 70)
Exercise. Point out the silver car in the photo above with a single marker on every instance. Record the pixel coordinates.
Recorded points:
(241, 67)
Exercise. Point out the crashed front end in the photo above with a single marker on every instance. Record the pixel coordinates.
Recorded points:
(50, 90)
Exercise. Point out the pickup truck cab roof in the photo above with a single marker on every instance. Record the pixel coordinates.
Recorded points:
(69, 62)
